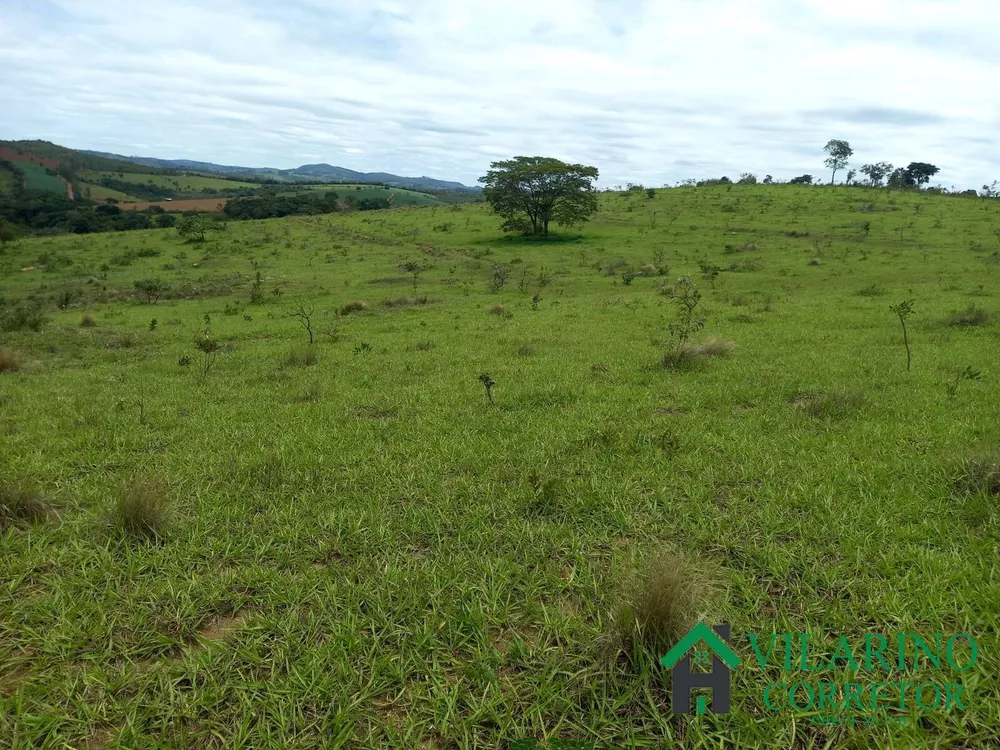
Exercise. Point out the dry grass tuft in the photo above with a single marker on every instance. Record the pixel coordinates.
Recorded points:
(979, 475)
(659, 607)
(970, 316)
(690, 354)
(10, 360)
(21, 504)
(353, 306)
(143, 508)
(302, 356)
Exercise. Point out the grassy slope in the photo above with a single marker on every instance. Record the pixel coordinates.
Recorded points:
(394, 575)
(36, 178)
(99, 192)
(181, 182)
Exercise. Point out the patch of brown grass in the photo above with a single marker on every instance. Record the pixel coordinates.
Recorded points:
(353, 306)
(21, 504)
(10, 360)
(657, 609)
(690, 354)
(143, 508)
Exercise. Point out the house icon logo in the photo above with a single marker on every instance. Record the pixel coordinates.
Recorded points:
(683, 681)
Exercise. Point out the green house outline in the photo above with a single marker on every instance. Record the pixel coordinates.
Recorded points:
(701, 632)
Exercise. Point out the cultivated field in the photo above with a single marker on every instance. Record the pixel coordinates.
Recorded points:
(358, 549)
(36, 178)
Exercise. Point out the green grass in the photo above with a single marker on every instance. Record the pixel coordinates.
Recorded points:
(100, 193)
(363, 551)
(184, 183)
(36, 178)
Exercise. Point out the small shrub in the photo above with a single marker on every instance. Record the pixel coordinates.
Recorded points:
(184, 361)
(815, 262)
(143, 508)
(970, 316)
(26, 316)
(352, 306)
(87, 321)
(10, 360)
(302, 356)
(422, 346)
(649, 270)
(501, 311)
(656, 611)
(18, 504)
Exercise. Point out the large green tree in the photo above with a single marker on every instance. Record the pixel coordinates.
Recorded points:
(530, 191)
(839, 152)
(921, 172)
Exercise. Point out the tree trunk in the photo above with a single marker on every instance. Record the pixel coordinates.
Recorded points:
(545, 230)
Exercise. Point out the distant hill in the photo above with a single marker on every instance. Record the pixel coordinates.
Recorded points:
(305, 173)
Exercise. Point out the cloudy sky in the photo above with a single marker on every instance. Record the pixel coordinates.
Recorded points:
(649, 91)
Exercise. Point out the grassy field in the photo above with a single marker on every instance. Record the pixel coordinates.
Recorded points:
(36, 178)
(100, 193)
(358, 549)
(185, 183)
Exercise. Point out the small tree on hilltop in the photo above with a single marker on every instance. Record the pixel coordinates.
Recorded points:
(530, 191)
(920, 172)
(839, 152)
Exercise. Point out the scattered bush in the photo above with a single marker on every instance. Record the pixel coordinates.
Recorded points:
(656, 610)
(649, 270)
(352, 306)
(143, 508)
(970, 316)
(26, 316)
(18, 504)
(10, 360)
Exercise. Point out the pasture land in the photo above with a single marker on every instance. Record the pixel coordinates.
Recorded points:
(184, 183)
(359, 549)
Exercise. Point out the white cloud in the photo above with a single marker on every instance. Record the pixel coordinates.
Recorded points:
(648, 90)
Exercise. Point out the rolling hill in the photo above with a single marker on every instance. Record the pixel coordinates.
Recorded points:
(304, 173)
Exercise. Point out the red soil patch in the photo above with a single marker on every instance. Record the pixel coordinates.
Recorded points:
(16, 156)
(197, 204)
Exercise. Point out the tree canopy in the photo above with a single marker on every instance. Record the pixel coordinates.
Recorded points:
(838, 154)
(530, 191)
